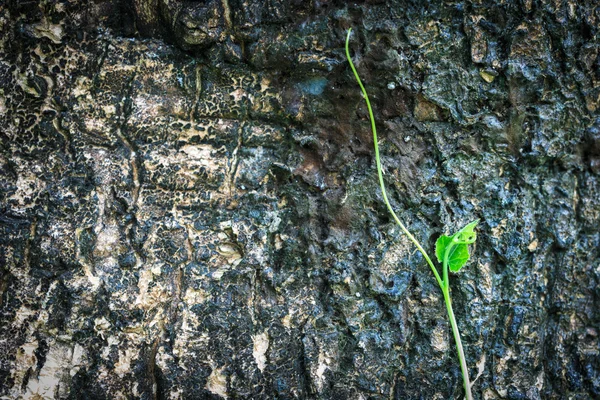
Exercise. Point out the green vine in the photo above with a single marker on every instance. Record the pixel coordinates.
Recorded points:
(451, 251)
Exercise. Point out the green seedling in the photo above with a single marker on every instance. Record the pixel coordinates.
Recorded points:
(451, 251)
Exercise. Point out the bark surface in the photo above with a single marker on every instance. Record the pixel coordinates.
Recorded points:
(189, 206)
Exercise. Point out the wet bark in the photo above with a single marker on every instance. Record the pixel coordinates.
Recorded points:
(189, 205)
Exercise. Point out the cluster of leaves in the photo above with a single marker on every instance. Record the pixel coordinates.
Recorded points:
(454, 250)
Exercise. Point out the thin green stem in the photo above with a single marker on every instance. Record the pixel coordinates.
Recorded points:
(454, 325)
(380, 172)
(459, 347)
(445, 268)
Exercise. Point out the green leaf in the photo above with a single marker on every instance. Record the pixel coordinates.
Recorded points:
(466, 235)
(456, 246)
(440, 246)
(459, 255)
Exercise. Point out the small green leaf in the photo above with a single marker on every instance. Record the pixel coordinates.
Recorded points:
(466, 235)
(456, 246)
(440, 246)
(459, 255)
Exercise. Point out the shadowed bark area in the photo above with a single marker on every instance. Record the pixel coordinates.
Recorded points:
(189, 205)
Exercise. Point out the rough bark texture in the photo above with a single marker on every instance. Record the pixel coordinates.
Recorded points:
(189, 207)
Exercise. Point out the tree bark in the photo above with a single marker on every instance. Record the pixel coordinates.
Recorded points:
(189, 206)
